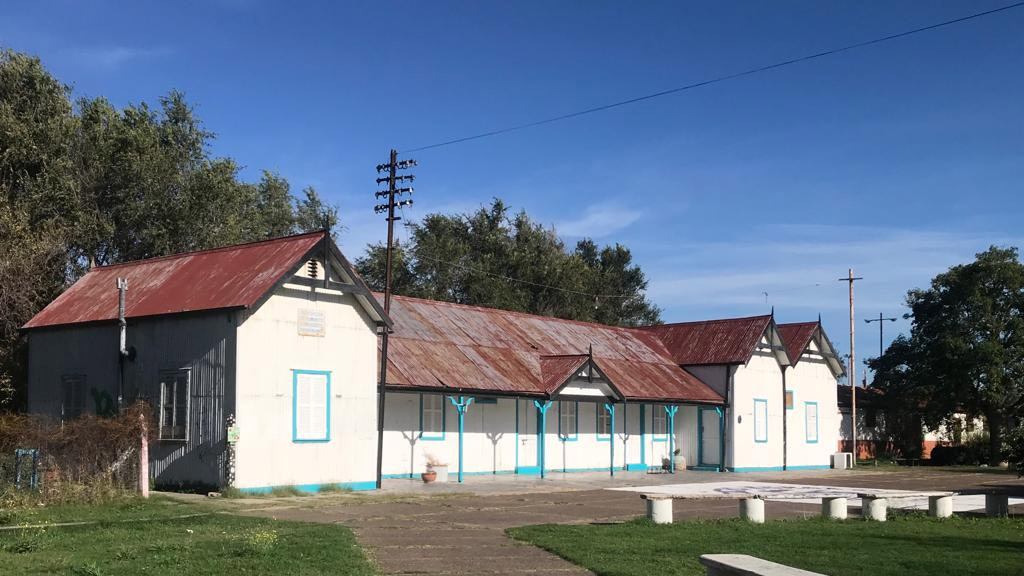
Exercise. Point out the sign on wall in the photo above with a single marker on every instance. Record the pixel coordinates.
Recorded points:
(312, 323)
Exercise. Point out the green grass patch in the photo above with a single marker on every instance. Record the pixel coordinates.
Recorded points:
(126, 508)
(215, 543)
(905, 545)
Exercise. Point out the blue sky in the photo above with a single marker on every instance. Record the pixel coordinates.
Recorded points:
(899, 159)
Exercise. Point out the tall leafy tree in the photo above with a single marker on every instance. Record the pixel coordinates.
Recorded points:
(965, 351)
(494, 258)
(84, 183)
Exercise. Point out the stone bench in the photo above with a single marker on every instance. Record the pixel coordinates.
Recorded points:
(743, 565)
(997, 500)
(874, 506)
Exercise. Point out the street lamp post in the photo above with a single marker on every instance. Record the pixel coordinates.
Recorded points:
(881, 320)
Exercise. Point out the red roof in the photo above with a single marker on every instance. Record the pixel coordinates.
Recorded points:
(796, 336)
(730, 341)
(439, 345)
(231, 277)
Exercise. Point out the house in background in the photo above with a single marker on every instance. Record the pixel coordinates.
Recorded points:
(281, 337)
(872, 438)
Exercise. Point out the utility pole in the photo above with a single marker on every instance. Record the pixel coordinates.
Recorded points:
(392, 180)
(881, 320)
(850, 278)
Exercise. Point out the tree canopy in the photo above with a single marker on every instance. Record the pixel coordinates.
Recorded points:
(965, 351)
(84, 183)
(494, 258)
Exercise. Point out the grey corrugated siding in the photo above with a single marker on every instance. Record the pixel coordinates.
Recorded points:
(203, 343)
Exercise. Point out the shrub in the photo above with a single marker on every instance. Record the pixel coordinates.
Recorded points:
(84, 460)
(1015, 449)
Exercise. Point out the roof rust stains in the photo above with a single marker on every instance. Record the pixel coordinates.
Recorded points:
(729, 341)
(556, 370)
(797, 336)
(230, 277)
(445, 346)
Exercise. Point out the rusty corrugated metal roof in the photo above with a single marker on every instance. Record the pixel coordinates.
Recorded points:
(230, 277)
(440, 345)
(729, 341)
(796, 336)
(556, 370)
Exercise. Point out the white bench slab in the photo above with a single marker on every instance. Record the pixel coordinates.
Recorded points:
(744, 565)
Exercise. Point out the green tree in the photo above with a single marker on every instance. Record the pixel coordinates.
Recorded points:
(492, 258)
(85, 183)
(965, 352)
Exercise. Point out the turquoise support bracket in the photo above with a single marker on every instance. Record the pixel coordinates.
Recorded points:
(462, 405)
(670, 413)
(610, 408)
(542, 411)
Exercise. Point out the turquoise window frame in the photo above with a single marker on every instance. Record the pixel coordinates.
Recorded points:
(757, 421)
(575, 436)
(807, 422)
(598, 410)
(295, 407)
(431, 436)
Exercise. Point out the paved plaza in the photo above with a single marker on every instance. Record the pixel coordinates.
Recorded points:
(410, 528)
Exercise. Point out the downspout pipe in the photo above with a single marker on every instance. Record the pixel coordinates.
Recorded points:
(724, 422)
(610, 409)
(122, 354)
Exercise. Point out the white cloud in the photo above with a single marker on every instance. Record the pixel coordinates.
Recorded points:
(598, 220)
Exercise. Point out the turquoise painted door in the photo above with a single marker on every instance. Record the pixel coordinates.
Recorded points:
(710, 449)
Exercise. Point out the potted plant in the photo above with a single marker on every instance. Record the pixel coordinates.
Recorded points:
(437, 468)
(678, 460)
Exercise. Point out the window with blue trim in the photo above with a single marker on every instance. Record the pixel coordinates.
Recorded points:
(432, 417)
(659, 424)
(811, 422)
(604, 422)
(568, 420)
(760, 420)
(311, 406)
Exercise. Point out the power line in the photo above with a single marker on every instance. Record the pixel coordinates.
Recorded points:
(718, 79)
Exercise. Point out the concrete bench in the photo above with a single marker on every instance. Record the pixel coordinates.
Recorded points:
(659, 506)
(874, 506)
(743, 565)
(997, 500)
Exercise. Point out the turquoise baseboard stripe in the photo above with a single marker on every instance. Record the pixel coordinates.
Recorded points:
(703, 468)
(359, 486)
(636, 467)
(810, 467)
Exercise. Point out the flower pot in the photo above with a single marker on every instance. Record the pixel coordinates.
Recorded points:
(441, 470)
(679, 461)
(428, 476)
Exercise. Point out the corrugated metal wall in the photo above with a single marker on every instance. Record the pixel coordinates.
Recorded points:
(203, 343)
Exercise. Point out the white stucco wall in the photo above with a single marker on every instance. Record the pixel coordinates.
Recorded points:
(759, 379)
(811, 380)
(269, 350)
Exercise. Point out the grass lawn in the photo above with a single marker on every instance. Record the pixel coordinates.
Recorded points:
(907, 545)
(211, 544)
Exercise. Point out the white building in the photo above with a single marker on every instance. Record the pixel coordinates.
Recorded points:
(281, 336)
